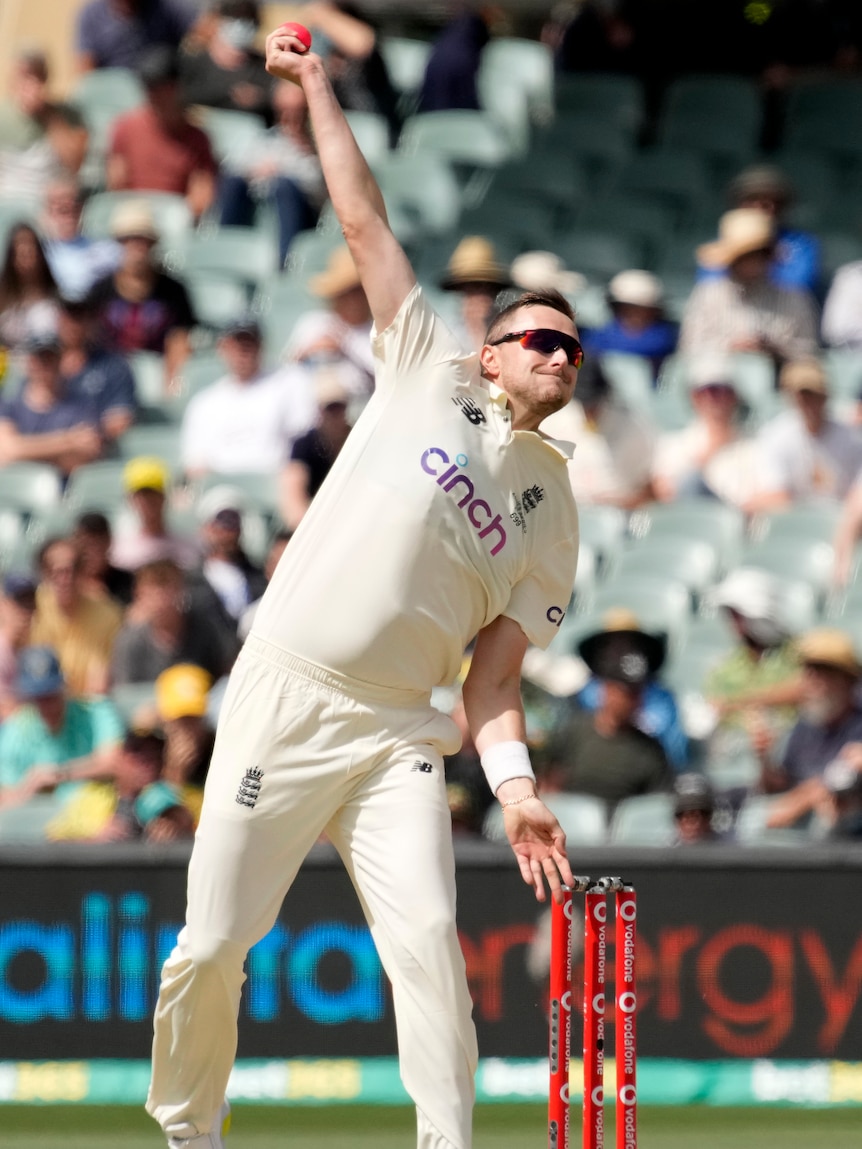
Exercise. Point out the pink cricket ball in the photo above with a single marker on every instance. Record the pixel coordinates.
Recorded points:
(299, 30)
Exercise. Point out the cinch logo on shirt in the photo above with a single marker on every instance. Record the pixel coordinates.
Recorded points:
(455, 482)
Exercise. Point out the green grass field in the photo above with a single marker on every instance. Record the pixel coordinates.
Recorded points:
(497, 1127)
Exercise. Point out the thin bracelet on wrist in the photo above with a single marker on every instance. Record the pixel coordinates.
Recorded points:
(517, 801)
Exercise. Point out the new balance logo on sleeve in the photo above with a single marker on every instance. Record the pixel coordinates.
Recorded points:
(422, 767)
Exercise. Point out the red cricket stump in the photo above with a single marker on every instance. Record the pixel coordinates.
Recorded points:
(560, 1022)
(595, 947)
(625, 1021)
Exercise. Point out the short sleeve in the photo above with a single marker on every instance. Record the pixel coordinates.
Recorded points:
(539, 602)
(417, 342)
(107, 724)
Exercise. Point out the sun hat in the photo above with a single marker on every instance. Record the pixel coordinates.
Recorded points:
(636, 288)
(829, 646)
(328, 387)
(146, 473)
(182, 691)
(540, 270)
(219, 499)
(622, 651)
(38, 673)
(804, 375)
(693, 792)
(339, 276)
(134, 220)
(475, 261)
(706, 370)
(760, 180)
(740, 232)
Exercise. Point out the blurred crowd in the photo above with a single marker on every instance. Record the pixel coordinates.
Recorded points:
(124, 606)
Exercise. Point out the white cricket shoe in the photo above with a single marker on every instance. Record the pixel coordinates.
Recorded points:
(213, 1140)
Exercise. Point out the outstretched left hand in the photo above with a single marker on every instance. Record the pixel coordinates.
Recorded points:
(539, 844)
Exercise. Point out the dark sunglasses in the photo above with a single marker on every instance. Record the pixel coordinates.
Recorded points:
(546, 341)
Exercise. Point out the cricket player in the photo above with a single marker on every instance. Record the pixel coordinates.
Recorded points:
(447, 517)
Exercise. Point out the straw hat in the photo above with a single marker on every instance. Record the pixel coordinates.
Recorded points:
(474, 260)
(829, 647)
(637, 288)
(540, 270)
(339, 277)
(741, 231)
(804, 375)
(134, 219)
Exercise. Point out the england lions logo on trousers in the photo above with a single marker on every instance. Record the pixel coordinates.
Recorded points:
(249, 788)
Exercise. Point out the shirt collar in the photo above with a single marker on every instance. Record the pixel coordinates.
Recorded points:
(561, 446)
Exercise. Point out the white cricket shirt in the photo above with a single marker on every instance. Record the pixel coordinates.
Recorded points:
(435, 519)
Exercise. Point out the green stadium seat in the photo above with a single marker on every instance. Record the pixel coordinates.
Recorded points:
(230, 131)
(30, 487)
(811, 560)
(132, 699)
(603, 528)
(694, 562)
(245, 252)
(751, 828)
(309, 251)
(216, 298)
(599, 254)
(117, 89)
(661, 602)
(607, 93)
(162, 442)
(526, 67)
(643, 820)
(631, 379)
(721, 525)
(735, 98)
(406, 59)
(722, 142)
(261, 490)
(423, 185)
(148, 368)
(466, 137)
(679, 179)
(27, 824)
(95, 486)
(371, 130)
(649, 223)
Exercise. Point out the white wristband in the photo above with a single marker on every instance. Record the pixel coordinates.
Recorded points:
(506, 760)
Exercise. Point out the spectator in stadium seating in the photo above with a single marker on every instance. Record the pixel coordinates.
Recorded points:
(28, 291)
(804, 454)
(657, 714)
(53, 741)
(694, 808)
(103, 379)
(139, 306)
(613, 460)
(743, 310)
(228, 71)
(117, 33)
(146, 481)
(603, 753)
(841, 323)
(81, 628)
(182, 700)
(247, 420)
(639, 325)
(339, 331)
(595, 36)
(842, 808)
(829, 727)
(17, 608)
(163, 628)
(77, 261)
(279, 168)
(156, 147)
(43, 422)
(93, 539)
(476, 274)
(451, 74)
(108, 810)
(276, 549)
(228, 578)
(711, 456)
(313, 453)
(796, 258)
(25, 152)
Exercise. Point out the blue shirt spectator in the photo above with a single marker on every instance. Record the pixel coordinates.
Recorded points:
(115, 33)
(657, 716)
(100, 378)
(638, 325)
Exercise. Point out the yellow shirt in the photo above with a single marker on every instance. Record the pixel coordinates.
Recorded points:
(435, 519)
(84, 641)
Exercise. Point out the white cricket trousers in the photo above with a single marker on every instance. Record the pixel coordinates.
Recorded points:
(333, 755)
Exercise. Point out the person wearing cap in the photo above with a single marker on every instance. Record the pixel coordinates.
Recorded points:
(117, 33)
(94, 374)
(657, 714)
(796, 262)
(80, 627)
(408, 553)
(52, 739)
(475, 272)
(638, 324)
(804, 454)
(615, 445)
(77, 261)
(603, 752)
(139, 307)
(156, 147)
(313, 453)
(829, 727)
(694, 806)
(17, 608)
(340, 331)
(147, 535)
(42, 422)
(279, 168)
(743, 310)
(165, 625)
(248, 419)
(182, 706)
(712, 455)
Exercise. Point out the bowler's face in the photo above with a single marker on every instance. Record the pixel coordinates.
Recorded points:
(536, 384)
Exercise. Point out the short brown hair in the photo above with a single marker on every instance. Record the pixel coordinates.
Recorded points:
(550, 297)
(159, 572)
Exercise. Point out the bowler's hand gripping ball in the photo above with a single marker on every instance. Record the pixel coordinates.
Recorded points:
(299, 30)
